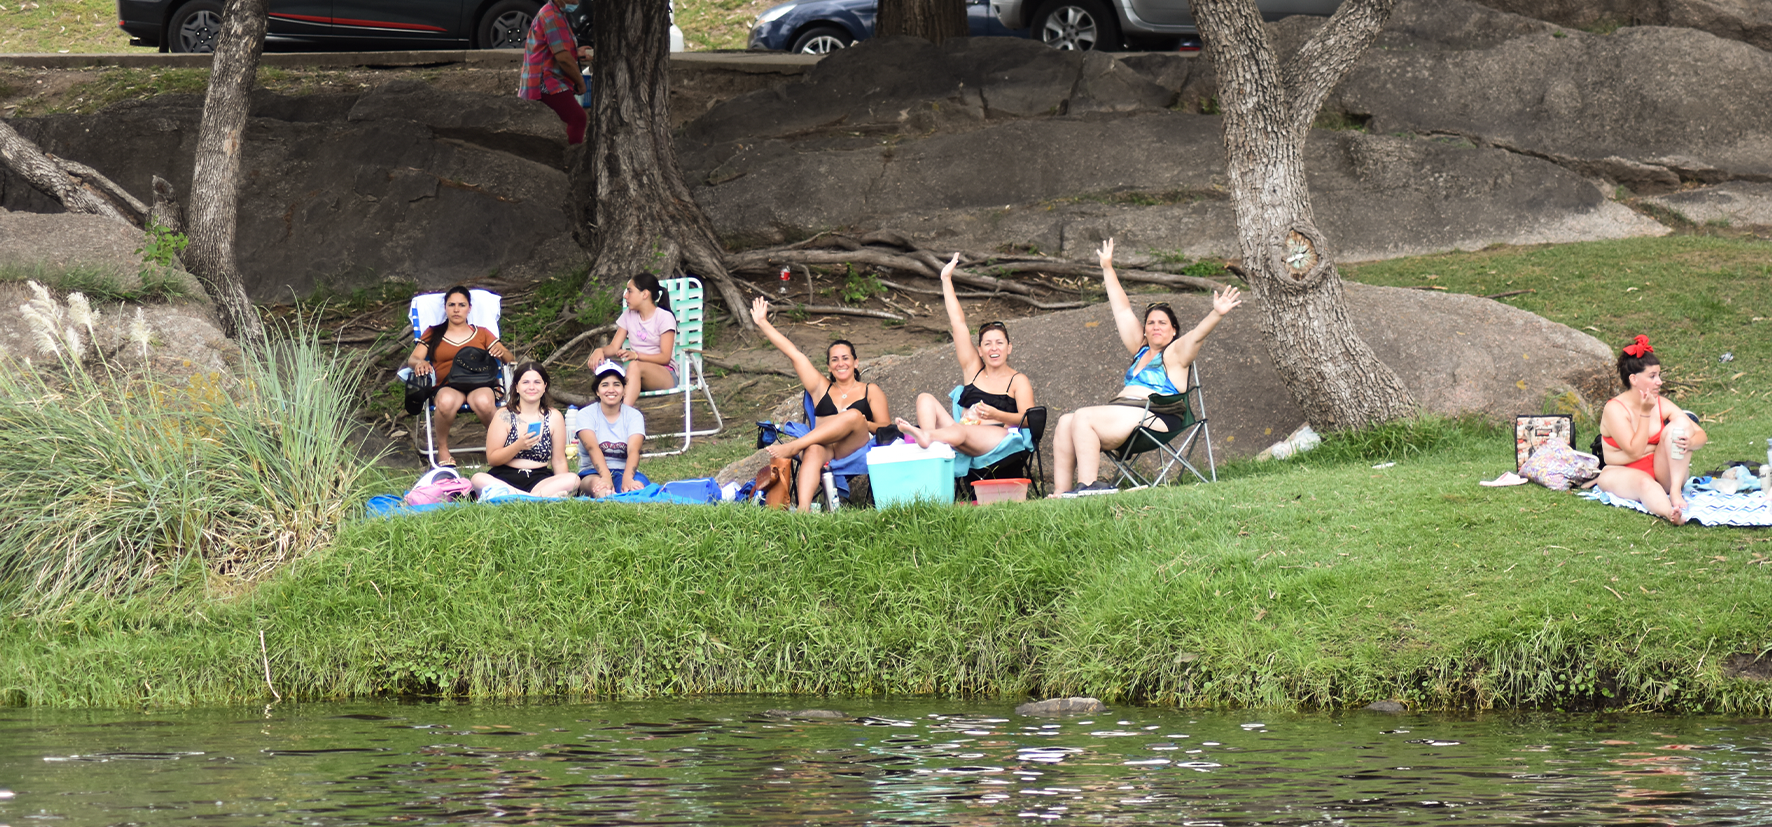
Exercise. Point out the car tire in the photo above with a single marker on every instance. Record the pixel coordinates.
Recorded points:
(194, 27)
(820, 40)
(1077, 24)
(505, 24)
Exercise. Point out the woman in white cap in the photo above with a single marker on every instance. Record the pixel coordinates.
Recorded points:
(609, 438)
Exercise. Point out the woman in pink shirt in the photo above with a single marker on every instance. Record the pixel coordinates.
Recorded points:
(644, 340)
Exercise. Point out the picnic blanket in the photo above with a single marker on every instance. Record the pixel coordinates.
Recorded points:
(691, 492)
(1711, 508)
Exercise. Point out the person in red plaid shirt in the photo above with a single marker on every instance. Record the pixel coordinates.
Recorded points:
(550, 67)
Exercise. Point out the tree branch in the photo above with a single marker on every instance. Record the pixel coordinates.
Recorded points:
(1013, 296)
(728, 366)
(134, 209)
(832, 310)
(603, 328)
(1330, 54)
(42, 171)
(1076, 268)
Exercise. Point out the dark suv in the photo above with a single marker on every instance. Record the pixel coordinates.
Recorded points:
(193, 25)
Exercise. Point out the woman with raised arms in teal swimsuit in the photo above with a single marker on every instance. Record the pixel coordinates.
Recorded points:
(1161, 355)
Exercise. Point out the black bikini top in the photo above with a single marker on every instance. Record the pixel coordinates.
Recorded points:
(826, 407)
(971, 395)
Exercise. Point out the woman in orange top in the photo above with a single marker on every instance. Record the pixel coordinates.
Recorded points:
(436, 352)
(1640, 431)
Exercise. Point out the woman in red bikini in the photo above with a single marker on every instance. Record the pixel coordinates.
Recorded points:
(1634, 427)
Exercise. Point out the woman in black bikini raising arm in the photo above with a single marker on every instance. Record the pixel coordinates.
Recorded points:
(848, 409)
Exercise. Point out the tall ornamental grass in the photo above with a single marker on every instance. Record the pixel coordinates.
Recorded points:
(114, 476)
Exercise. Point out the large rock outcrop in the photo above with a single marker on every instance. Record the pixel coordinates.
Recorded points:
(1650, 108)
(404, 182)
(1749, 21)
(1464, 126)
(981, 157)
(61, 241)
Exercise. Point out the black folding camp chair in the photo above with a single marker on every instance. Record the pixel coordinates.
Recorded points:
(1019, 465)
(1168, 448)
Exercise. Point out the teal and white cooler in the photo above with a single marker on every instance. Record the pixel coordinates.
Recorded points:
(903, 473)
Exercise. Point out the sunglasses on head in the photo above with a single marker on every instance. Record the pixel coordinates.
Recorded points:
(1155, 306)
(992, 326)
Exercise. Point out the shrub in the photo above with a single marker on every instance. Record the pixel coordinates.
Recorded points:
(114, 477)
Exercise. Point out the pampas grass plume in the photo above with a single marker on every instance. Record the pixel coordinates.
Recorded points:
(80, 312)
(139, 332)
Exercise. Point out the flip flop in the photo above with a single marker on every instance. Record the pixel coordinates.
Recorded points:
(1509, 478)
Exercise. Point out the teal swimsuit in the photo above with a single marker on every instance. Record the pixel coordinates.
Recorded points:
(1153, 376)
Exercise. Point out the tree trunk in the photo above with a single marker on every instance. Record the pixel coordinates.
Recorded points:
(932, 20)
(1267, 110)
(54, 178)
(215, 180)
(634, 213)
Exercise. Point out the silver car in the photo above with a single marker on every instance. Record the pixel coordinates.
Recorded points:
(1110, 25)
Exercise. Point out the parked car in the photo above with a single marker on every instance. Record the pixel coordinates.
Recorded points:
(815, 27)
(1111, 25)
(193, 25)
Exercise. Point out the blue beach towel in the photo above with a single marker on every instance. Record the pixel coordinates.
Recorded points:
(384, 505)
(1015, 442)
(653, 493)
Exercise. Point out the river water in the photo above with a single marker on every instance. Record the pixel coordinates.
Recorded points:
(725, 761)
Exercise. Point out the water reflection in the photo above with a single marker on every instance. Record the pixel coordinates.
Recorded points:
(908, 762)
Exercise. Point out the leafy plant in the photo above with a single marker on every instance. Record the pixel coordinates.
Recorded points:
(1203, 269)
(858, 286)
(160, 247)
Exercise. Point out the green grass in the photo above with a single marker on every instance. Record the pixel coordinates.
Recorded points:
(718, 24)
(51, 26)
(1314, 582)
(100, 284)
(1330, 584)
(1695, 297)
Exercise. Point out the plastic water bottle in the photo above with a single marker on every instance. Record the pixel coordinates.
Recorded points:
(786, 274)
(830, 486)
(1766, 475)
(572, 436)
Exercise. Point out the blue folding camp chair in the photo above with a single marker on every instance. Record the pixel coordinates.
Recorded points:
(841, 470)
(426, 311)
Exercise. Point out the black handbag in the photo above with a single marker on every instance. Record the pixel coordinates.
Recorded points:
(473, 368)
(419, 390)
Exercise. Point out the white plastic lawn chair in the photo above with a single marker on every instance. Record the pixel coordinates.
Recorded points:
(427, 311)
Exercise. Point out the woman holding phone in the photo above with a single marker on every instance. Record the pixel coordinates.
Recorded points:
(526, 442)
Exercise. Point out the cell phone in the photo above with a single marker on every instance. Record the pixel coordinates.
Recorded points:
(535, 429)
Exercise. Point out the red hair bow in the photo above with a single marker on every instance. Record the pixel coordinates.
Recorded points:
(1639, 348)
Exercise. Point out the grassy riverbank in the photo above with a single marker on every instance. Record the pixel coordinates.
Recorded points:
(1316, 582)
(1324, 583)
